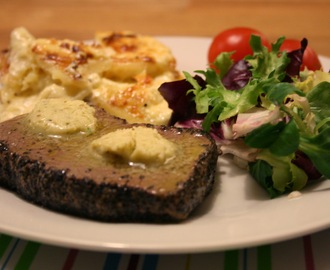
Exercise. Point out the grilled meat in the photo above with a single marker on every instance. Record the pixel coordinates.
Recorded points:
(60, 174)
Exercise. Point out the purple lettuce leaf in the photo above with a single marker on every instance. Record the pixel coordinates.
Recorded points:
(237, 76)
(181, 103)
(302, 161)
(296, 59)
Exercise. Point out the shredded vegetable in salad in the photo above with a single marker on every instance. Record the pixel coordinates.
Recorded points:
(264, 111)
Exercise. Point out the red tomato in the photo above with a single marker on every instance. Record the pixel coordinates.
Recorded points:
(234, 39)
(310, 58)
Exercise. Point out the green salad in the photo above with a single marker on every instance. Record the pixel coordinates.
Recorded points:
(263, 110)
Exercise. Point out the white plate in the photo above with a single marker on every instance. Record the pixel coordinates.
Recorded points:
(237, 214)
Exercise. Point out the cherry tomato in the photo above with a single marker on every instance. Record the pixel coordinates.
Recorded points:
(234, 39)
(310, 58)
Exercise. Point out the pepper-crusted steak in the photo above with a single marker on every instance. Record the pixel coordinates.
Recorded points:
(60, 174)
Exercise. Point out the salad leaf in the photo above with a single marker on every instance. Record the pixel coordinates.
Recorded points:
(267, 64)
(212, 116)
(262, 172)
(303, 161)
(218, 102)
(285, 176)
(242, 101)
(237, 76)
(282, 139)
(278, 92)
(180, 100)
(254, 118)
(319, 100)
(287, 141)
(223, 63)
(296, 59)
(263, 137)
(317, 148)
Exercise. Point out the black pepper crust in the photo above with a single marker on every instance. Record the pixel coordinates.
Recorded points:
(110, 201)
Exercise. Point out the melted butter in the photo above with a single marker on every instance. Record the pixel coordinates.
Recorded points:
(62, 117)
(137, 145)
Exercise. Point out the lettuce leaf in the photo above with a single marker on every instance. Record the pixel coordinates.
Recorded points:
(317, 148)
(281, 139)
(278, 175)
(319, 100)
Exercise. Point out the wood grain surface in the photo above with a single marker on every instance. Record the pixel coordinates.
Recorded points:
(79, 19)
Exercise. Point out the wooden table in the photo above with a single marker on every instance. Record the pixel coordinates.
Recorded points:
(79, 19)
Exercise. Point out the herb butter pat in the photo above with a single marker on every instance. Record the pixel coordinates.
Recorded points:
(62, 116)
(138, 145)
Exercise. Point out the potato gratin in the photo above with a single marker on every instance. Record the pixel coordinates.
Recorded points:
(118, 71)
